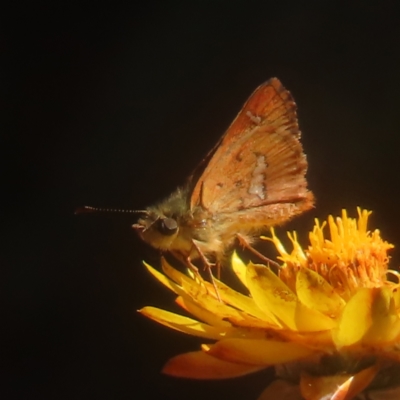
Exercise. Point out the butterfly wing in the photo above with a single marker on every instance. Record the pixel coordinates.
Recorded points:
(259, 162)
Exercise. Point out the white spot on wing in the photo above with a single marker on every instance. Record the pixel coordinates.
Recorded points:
(258, 177)
(256, 119)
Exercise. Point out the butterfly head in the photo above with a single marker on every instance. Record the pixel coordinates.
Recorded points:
(157, 229)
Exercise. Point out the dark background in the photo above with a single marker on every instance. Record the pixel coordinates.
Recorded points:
(114, 106)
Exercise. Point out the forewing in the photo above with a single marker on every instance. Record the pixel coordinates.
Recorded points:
(260, 160)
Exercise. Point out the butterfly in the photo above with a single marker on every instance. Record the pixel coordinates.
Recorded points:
(253, 179)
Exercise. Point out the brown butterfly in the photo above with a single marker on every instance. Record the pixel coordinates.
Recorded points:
(253, 179)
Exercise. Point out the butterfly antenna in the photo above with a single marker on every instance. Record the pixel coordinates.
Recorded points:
(88, 209)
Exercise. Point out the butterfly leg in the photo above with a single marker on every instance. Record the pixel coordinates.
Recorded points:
(248, 246)
(208, 266)
(186, 260)
(218, 266)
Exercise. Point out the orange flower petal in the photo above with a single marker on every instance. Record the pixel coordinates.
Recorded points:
(218, 308)
(244, 303)
(321, 341)
(273, 296)
(258, 352)
(199, 365)
(385, 321)
(185, 324)
(315, 292)
(239, 268)
(396, 297)
(191, 286)
(203, 314)
(355, 320)
(163, 279)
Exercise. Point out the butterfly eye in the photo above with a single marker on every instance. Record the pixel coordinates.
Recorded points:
(168, 226)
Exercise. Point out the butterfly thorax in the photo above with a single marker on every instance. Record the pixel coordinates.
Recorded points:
(172, 226)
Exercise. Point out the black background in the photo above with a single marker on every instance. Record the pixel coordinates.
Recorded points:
(114, 106)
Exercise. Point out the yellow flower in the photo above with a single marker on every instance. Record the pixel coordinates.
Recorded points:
(327, 319)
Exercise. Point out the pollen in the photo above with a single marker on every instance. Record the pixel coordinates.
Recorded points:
(349, 257)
